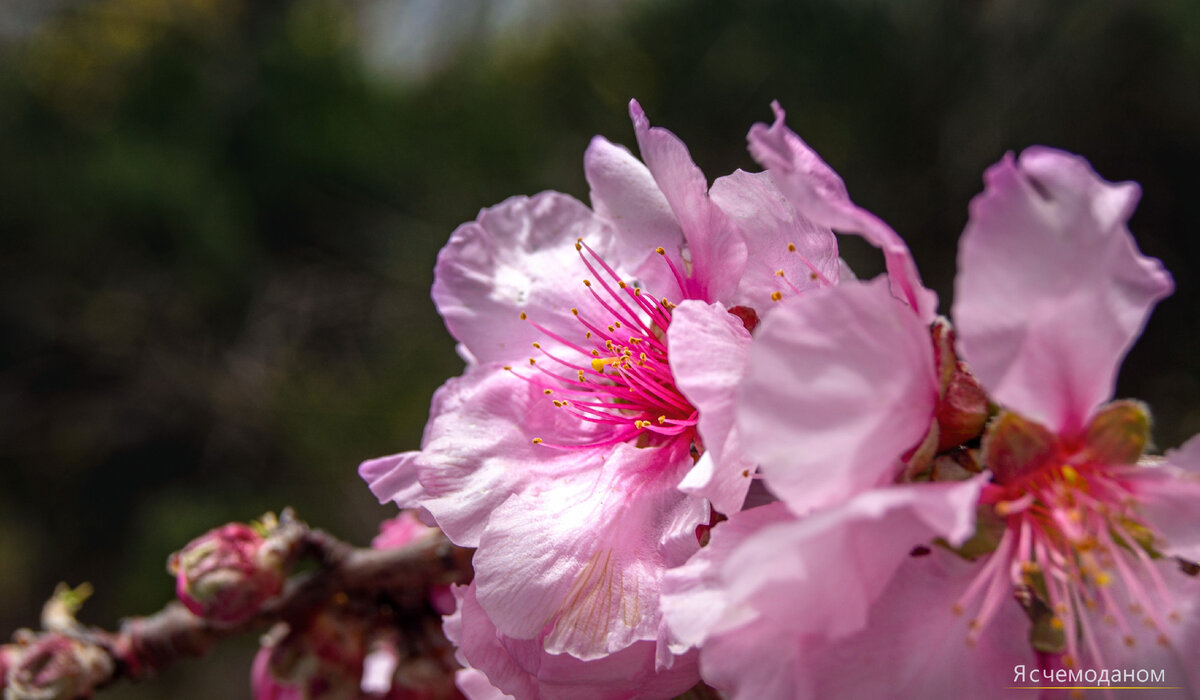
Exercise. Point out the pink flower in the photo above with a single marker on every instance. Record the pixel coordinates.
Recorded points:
(574, 471)
(227, 573)
(1073, 560)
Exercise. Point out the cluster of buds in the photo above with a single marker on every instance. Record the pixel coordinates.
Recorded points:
(388, 647)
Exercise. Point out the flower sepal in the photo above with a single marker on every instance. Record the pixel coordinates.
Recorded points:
(1119, 433)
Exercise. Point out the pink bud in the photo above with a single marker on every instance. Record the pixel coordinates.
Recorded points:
(52, 666)
(225, 574)
(404, 529)
(9, 654)
(321, 661)
(263, 683)
(400, 530)
(963, 409)
(963, 405)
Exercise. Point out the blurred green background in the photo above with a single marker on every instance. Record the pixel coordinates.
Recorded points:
(218, 219)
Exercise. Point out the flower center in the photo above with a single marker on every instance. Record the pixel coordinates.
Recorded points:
(615, 372)
(1074, 551)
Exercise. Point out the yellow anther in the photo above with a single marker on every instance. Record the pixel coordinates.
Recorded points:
(776, 296)
(813, 276)
(508, 367)
(587, 283)
(523, 316)
(538, 346)
(662, 420)
(791, 247)
(596, 353)
(637, 291)
(779, 273)
(547, 392)
(537, 441)
(574, 312)
(621, 284)
(608, 344)
(578, 245)
(1070, 474)
(587, 335)
(1056, 623)
(660, 250)
(617, 324)
(532, 361)
(559, 404)
(581, 375)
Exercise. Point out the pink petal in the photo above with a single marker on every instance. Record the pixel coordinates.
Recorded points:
(708, 347)
(840, 384)
(518, 256)
(914, 646)
(480, 647)
(716, 251)
(843, 609)
(1051, 290)
(823, 572)
(521, 668)
(1170, 500)
(770, 223)
(1177, 659)
(757, 662)
(694, 600)
(478, 447)
(625, 195)
(394, 478)
(475, 685)
(819, 195)
(585, 552)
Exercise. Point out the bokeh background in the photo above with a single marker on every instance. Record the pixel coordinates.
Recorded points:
(218, 219)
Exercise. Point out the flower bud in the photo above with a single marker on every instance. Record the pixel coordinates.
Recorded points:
(401, 530)
(53, 666)
(963, 405)
(225, 574)
(405, 529)
(9, 653)
(320, 661)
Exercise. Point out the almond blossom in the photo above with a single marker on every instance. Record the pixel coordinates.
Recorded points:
(1083, 550)
(593, 427)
